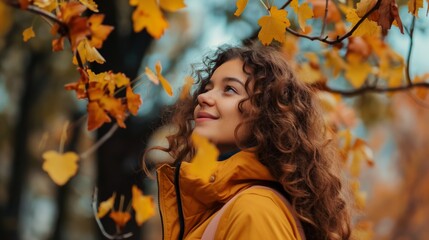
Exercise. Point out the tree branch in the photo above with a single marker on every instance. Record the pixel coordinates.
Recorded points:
(286, 4)
(407, 68)
(339, 39)
(324, 19)
(351, 93)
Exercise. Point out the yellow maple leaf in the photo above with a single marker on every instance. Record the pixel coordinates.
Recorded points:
(273, 26)
(367, 27)
(88, 53)
(172, 5)
(106, 206)
(143, 205)
(28, 34)
(364, 6)
(164, 83)
(60, 167)
(148, 15)
(335, 62)
(414, 6)
(241, 5)
(205, 160)
(304, 12)
(357, 70)
(308, 74)
(90, 4)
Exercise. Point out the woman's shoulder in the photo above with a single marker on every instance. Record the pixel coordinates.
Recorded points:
(259, 211)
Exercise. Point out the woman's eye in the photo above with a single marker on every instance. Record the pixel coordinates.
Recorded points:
(230, 89)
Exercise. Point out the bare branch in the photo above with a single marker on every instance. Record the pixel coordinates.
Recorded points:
(351, 93)
(324, 19)
(99, 142)
(286, 4)
(407, 68)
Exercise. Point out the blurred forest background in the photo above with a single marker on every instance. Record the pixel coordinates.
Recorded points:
(34, 108)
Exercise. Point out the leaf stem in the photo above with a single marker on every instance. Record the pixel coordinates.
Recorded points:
(99, 142)
(407, 68)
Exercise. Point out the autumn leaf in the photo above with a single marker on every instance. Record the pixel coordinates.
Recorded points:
(106, 206)
(151, 75)
(115, 108)
(89, 53)
(164, 83)
(99, 32)
(319, 6)
(96, 116)
(120, 218)
(172, 5)
(304, 12)
(48, 5)
(335, 62)
(133, 101)
(28, 34)
(414, 6)
(148, 15)
(60, 167)
(80, 85)
(205, 160)
(273, 27)
(241, 5)
(142, 205)
(384, 15)
(359, 196)
(357, 70)
(7, 20)
(367, 27)
(90, 4)
(186, 87)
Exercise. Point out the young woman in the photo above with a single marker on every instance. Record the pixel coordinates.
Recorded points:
(269, 131)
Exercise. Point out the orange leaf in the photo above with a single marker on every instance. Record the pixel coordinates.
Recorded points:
(28, 34)
(367, 27)
(386, 13)
(309, 74)
(187, 87)
(359, 196)
(120, 218)
(414, 6)
(143, 205)
(89, 53)
(172, 5)
(273, 27)
(133, 101)
(60, 167)
(96, 116)
(164, 83)
(90, 4)
(335, 62)
(106, 206)
(319, 6)
(148, 15)
(99, 32)
(205, 160)
(24, 4)
(80, 85)
(58, 44)
(241, 5)
(115, 108)
(304, 12)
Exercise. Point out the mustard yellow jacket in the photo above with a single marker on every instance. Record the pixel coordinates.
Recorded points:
(188, 205)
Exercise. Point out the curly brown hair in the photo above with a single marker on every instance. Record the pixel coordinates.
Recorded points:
(289, 136)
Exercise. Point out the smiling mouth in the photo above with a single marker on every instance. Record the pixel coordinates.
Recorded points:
(203, 116)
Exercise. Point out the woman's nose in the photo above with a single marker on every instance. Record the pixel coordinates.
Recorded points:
(206, 98)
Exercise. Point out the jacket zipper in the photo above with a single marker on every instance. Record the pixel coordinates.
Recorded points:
(159, 208)
(179, 200)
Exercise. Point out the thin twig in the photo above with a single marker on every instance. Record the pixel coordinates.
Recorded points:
(99, 142)
(361, 90)
(407, 68)
(322, 32)
(286, 4)
(339, 39)
(100, 225)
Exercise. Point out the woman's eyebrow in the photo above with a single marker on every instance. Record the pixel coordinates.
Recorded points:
(233, 79)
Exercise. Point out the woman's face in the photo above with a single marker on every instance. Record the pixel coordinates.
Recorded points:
(217, 115)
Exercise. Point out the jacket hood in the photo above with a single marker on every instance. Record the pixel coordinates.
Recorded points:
(199, 198)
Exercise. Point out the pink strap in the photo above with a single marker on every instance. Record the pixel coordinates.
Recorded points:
(210, 231)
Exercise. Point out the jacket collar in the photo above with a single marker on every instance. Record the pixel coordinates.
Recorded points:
(200, 199)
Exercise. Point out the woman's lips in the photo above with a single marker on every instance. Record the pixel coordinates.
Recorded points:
(204, 116)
